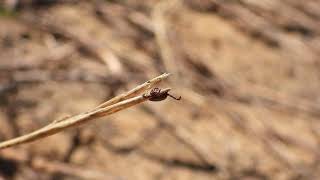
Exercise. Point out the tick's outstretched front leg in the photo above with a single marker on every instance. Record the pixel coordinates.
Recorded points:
(174, 97)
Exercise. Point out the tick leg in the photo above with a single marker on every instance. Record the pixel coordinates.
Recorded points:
(174, 97)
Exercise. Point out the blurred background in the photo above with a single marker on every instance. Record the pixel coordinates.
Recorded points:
(247, 71)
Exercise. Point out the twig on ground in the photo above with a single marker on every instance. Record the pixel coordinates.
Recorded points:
(161, 28)
(181, 135)
(40, 163)
(114, 105)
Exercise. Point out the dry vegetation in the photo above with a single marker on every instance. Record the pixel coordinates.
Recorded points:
(248, 72)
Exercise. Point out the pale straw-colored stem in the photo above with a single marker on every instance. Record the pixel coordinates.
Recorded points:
(135, 91)
(112, 106)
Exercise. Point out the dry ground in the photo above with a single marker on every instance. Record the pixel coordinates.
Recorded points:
(247, 70)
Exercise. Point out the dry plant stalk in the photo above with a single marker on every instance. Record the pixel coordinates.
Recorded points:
(163, 30)
(114, 105)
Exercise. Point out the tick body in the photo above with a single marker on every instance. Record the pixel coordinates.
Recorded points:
(156, 94)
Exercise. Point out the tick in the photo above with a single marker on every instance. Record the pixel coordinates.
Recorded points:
(156, 94)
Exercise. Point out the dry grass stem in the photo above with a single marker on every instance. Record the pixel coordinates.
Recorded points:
(163, 33)
(114, 105)
(135, 91)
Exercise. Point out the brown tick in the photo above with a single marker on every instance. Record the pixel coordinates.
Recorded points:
(156, 94)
